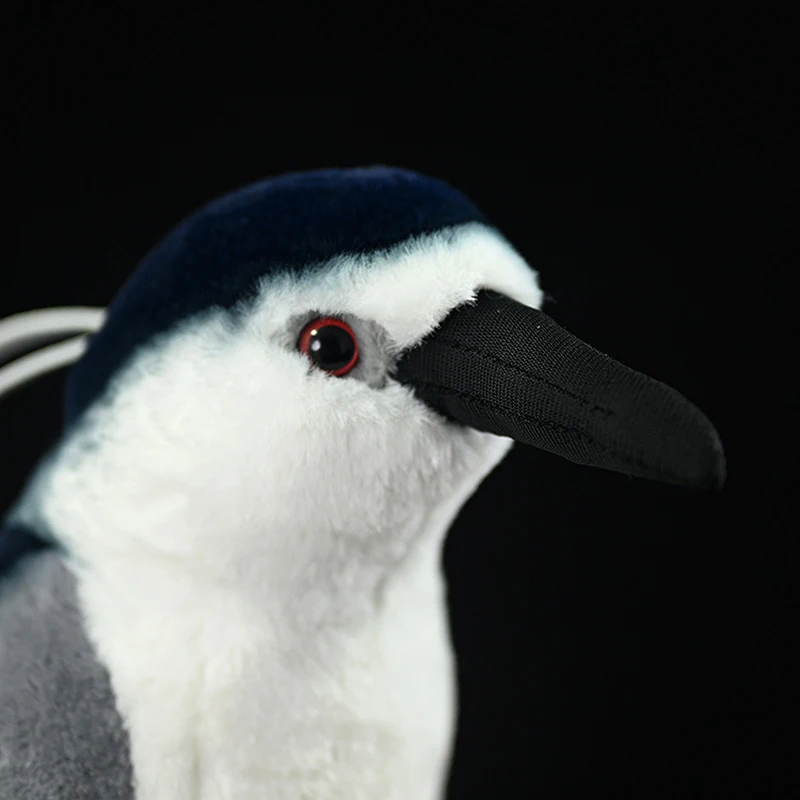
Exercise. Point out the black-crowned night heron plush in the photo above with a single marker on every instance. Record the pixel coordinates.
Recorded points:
(224, 582)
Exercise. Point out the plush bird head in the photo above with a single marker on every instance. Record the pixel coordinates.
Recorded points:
(266, 440)
(327, 361)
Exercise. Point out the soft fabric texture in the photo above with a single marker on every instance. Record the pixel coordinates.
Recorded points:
(257, 544)
(295, 222)
(221, 254)
(561, 395)
(16, 544)
(61, 736)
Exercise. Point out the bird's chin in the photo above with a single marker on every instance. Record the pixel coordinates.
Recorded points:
(481, 451)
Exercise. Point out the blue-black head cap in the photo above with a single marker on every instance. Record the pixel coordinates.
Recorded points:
(216, 256)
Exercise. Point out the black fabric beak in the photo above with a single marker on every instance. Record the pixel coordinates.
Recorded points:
(502, 367)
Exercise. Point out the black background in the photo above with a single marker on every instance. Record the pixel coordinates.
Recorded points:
(616, 638)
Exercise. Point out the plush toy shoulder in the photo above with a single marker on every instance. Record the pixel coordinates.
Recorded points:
(18, 543)
(60, 733)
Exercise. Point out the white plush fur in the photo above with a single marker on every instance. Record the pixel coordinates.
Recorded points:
(258, 544)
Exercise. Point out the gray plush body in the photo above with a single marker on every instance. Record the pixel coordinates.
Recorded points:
(61, 737)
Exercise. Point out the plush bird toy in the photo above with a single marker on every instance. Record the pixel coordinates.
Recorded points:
(224, 582)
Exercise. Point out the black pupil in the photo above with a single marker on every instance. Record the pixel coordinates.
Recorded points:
(331, 347)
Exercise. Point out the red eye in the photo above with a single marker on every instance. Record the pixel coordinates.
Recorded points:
(330, 344)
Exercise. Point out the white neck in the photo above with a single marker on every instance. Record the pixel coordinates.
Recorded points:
(315, 664)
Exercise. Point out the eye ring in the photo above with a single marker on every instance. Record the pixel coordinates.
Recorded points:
(330, 344)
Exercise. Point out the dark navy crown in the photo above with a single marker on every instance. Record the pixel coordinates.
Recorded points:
(216, 257)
